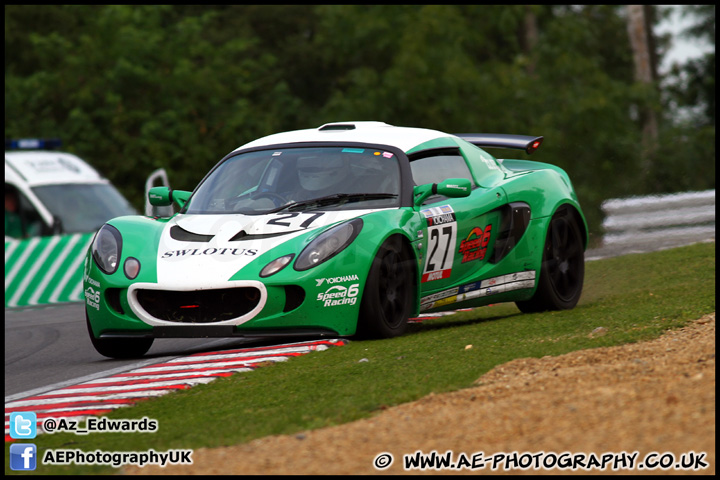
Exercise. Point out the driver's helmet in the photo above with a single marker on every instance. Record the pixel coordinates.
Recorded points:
(321, 172)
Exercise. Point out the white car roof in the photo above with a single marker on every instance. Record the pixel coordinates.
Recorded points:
(404, 138)
(41, 167)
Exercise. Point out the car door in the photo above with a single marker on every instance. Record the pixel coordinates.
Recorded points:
(457, 233)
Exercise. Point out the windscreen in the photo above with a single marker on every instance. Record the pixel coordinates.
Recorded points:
(331, 178)
(83, 207)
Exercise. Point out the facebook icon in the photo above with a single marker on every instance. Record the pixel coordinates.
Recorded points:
(23, 456)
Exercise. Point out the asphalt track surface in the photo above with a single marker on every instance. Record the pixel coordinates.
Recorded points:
(48, 347)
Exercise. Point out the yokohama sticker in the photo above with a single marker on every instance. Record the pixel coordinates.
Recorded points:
(333, 280)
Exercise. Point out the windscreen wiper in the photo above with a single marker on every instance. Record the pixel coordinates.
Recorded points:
(335, 198)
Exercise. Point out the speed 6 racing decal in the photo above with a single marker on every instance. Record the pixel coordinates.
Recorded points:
(339, 295)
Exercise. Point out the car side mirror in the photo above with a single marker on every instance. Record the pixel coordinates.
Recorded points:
(452, 187)
(165, 196)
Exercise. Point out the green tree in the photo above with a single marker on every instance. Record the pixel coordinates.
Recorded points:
(142, 87)
(135, 88)
(687, 139)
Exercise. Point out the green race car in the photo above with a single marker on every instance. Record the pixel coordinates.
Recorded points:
(348, 229)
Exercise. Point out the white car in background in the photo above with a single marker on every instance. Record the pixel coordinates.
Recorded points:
(55, 192)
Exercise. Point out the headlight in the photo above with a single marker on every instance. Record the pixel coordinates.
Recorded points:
(106, 249)
(328, 244)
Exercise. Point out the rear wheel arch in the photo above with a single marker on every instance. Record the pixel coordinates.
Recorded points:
(562, 270)
(570, 209)
(579, 220)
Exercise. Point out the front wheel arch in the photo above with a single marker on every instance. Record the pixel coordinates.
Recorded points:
(390, 293)
(121, 348)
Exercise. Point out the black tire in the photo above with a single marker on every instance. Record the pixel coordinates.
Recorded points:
(389, 293)
(119, 347)
(563, 267)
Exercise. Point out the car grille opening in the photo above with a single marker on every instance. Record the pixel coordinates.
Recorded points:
(199, 306)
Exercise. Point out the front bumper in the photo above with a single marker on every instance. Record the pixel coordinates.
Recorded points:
(290, 305)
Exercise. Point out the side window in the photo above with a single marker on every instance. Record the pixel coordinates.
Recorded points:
(22, 220)
(436, 167)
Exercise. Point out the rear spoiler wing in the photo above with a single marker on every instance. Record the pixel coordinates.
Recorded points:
(501, 140)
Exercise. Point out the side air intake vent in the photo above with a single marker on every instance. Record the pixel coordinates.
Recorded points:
(515, 220)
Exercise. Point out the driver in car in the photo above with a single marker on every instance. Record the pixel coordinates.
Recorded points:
(321, 176)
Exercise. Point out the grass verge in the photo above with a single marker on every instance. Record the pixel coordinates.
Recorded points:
(633, 298)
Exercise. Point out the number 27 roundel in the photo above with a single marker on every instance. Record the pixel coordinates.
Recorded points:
(442, 235)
